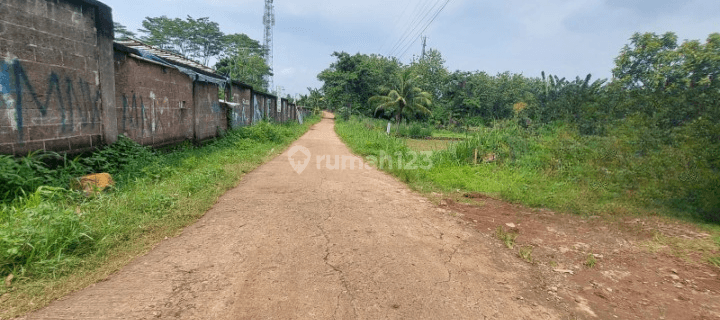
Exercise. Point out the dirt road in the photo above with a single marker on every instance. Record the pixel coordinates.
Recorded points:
(346, 244)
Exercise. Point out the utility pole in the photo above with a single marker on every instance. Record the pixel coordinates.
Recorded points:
(424, 43)
(269, 22)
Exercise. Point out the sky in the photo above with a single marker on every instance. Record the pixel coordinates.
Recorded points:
(567, 38)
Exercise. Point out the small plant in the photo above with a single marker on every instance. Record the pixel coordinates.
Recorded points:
(507, 237)
(715, 261)
(590, 261)
(525, 253)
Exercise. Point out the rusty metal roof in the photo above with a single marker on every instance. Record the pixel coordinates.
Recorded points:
(168, 56)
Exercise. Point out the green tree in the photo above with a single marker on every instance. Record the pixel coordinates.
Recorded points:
(432, 73)
(403, 96)
(669, 83)
(206, 38)
(169, 34)
(192, 38)
(314, 100)
(243, 61)
(121, 32)
(353, 79)
(649, 62)
(237, 42)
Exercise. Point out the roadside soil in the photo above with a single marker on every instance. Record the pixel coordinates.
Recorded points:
(357, 243)
(604, 267)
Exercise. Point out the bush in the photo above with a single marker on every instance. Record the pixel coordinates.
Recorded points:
(414, 130)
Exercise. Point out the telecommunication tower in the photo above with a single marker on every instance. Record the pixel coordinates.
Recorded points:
(269, 22)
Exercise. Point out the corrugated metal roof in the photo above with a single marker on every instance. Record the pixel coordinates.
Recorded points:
(165, 55)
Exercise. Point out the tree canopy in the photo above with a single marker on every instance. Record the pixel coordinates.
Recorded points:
(192, 38)
(403, 97)
(121, 32)
(242, 60)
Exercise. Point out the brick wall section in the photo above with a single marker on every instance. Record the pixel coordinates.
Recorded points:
(154, 103)
(49, 76)
(284, 112)
(209, 114)
(272, 105)
(256, 103)
(258, 112)
(240, 115)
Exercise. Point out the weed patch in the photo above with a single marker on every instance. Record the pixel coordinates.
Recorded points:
(507, 237)
(590, 261)
(525, 252)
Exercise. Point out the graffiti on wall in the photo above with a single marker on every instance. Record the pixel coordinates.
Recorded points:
(148, 119)
(245, 106)
(257, 115)
(63, 94)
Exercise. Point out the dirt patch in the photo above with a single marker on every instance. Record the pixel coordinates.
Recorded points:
(605, 267)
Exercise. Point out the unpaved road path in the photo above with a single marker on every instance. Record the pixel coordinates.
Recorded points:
(323, 244)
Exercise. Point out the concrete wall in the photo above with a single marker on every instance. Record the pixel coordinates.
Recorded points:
(257, 103)
(272, 107)
(284, 112)
(51, 84)
(63, 87)
(154, 102)
(241, 113)
(210, 118)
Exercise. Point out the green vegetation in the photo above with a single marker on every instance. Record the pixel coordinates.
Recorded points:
(507, 237)
(242, 60)
(525, 252)
(590, 260)
(53, 240)
(402, 97)
(557, 167)
(646, 141)
(238, 56)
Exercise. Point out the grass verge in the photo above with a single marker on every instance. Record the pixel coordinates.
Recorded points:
(554, 167)
(54, 241)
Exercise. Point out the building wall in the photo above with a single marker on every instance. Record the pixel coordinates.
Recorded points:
(50, 82)
(284, 113)
(154, 103)
(257, 103)
(259, 106)
(63, 87)
(241, 114)
(210, 117)
(273, 106)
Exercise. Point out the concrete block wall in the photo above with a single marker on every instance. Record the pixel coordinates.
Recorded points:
(63, 86)
(284, 110)
(241, 113)
(257, 102)
(52, 91)
(209, 116)
(154, 103)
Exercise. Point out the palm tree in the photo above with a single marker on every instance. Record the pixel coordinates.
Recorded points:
(403, 97)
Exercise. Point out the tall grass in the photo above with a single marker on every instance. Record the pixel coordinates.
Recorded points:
(50, 235)
(627, 171)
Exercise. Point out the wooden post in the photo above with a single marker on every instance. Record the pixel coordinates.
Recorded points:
(475, 161)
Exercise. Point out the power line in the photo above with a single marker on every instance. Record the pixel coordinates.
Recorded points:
(410, 37)
(420, 15)
(397, 19)
(426, 26)
(415, 21)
